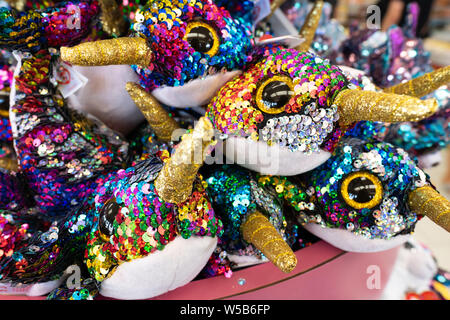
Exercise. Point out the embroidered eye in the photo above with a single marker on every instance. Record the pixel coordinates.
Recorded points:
(274, 93)
(106, 221)
(202, 38)
(362, 190)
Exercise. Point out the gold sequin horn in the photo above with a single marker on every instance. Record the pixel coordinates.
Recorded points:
(158, 118)
(428, 202)
(175, 181)
(125, 50)
(423, 85)
(258, 231)
(310, 26)
(358, 105)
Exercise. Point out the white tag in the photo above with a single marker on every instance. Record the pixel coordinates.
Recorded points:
(261, 10)
(68, 79)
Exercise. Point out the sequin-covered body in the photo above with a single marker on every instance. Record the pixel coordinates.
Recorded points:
(16, 228)
(59, 152)
(329, 33)
(417, 138)
(8, 158)
(175, 62)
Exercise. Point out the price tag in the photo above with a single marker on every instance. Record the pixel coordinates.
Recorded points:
(68, 79)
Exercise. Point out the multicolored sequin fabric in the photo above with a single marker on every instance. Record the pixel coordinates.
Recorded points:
(59, 151)
(235, 195)
(63, 24)
(417, 138)
(51, 249)
(285, 99)
(190, 40)
(329, 33)
(16, 228)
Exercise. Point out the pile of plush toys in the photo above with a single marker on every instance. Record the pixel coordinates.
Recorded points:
(151, 143)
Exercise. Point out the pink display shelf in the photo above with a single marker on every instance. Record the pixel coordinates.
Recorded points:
(323, 273)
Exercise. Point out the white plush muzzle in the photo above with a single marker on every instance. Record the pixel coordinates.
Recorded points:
(270, 160)
(160, 272)
(348, 241)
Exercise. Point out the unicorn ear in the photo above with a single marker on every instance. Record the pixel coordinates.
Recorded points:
(423, 85)
(131, 51)
(310, 26)
(358, 105)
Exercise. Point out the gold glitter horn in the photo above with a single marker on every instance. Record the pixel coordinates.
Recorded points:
(118, 51)
(17, 4)
(423, 85)
(175, 181)
(428, 202)
(357, 105)
(112, 19)
(310, 26)
(159, 119)
(258, 231)
(9, 164)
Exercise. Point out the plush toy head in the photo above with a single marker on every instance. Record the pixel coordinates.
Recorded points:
(300, 106)
(143, 246)
(176, 43)
(202, 40)
(366, 197)
(286, 113)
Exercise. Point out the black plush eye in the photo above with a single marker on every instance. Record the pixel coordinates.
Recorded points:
(107, 216)
(362, 190)
(202, 38)
(274, 93)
